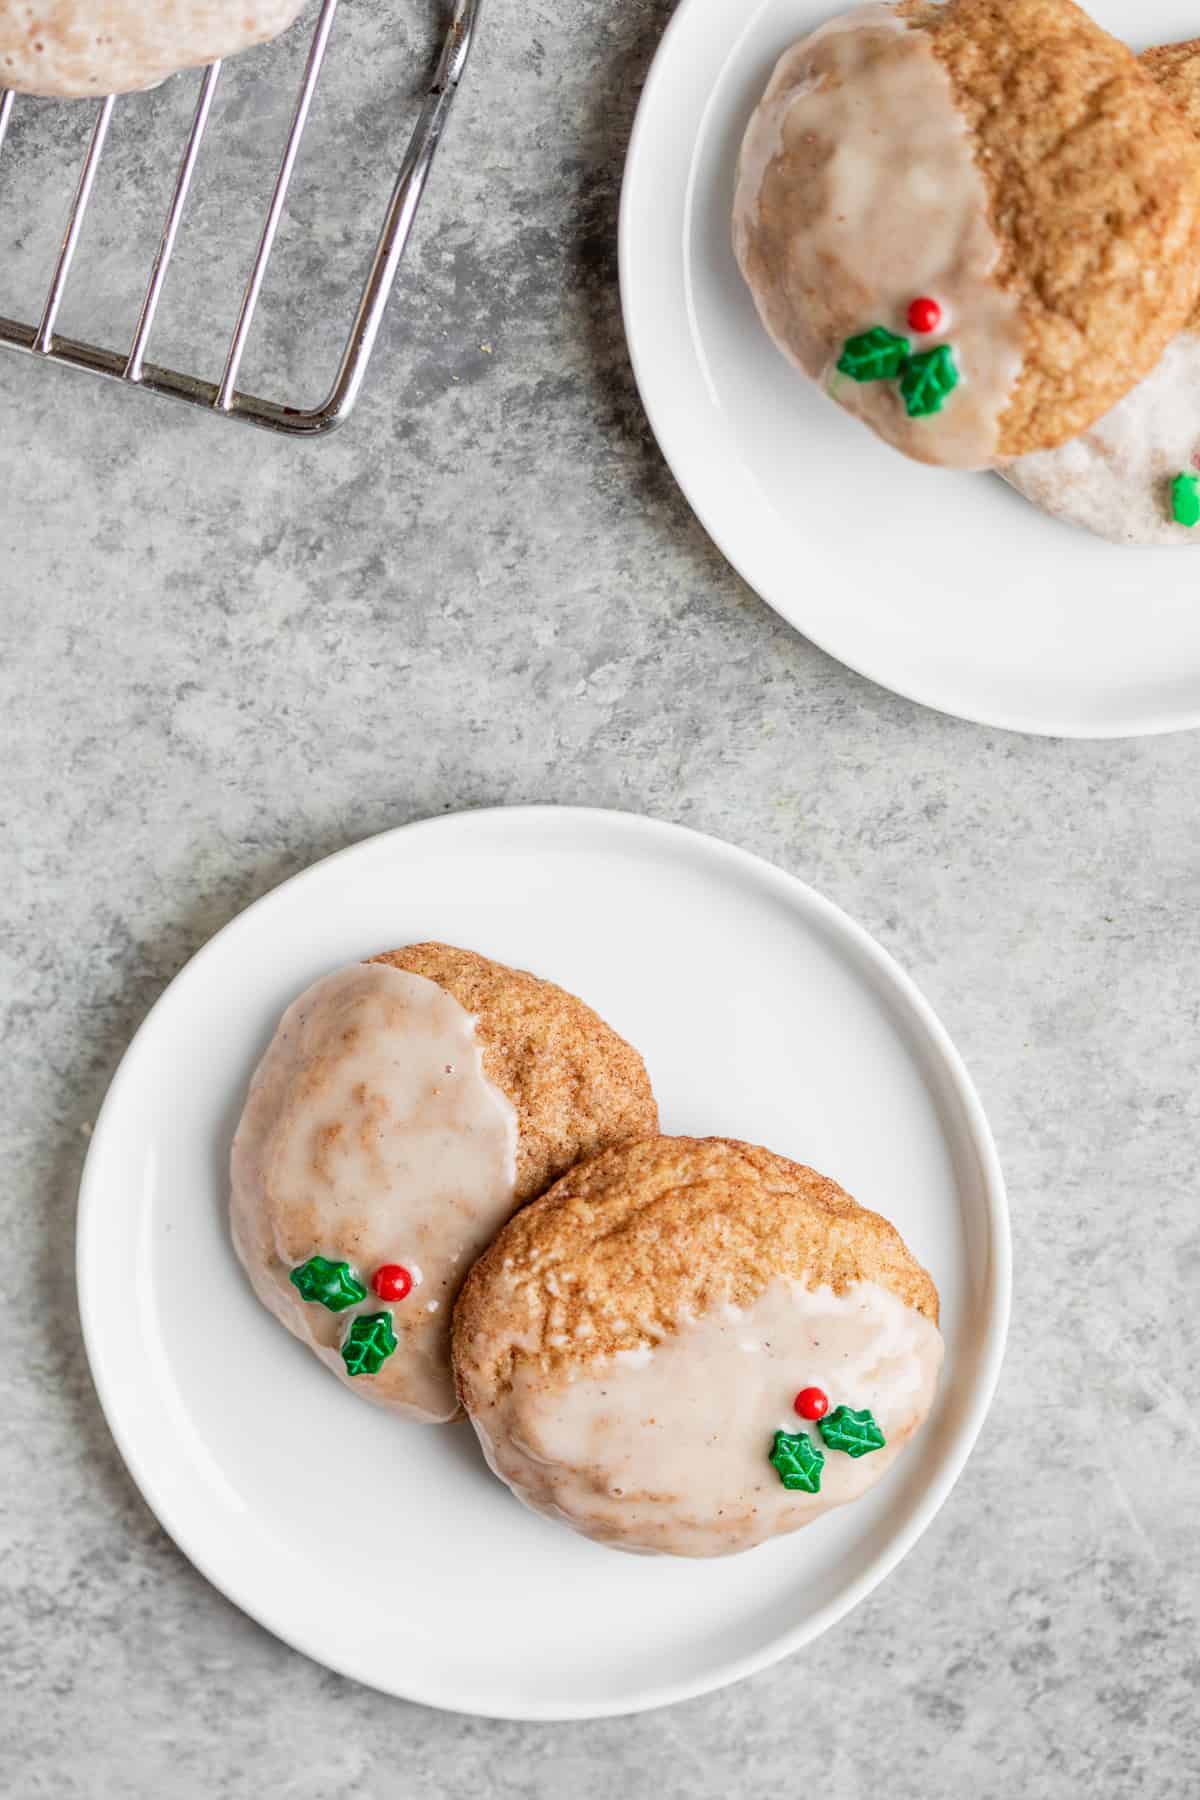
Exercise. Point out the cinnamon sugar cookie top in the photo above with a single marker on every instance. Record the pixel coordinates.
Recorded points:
(1176, 69)
(1120, 477)
(645, 1233)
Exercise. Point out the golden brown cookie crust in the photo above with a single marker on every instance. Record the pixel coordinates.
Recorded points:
(1176, 68)
(625, 1243)
(576, 1086)
(1094, 188)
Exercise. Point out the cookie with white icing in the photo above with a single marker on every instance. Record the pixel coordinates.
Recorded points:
(75, 48)
(690, 1345)
(976, 224)
(404, 1110)
(1134, 476)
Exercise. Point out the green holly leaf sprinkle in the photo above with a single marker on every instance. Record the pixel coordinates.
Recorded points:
(854, 1432)
(927, 379)
(797, 1461)
(368, 1343)
(1185, 498)
(330, 1284)
(875, 355)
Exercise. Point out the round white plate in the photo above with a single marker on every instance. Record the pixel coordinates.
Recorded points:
(946, 587)
(386, 1550)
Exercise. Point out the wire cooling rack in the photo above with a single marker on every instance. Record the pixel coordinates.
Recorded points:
(224, 396)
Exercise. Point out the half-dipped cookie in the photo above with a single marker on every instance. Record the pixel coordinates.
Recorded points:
(405, 1109)
(690, 1345)
(975, 224)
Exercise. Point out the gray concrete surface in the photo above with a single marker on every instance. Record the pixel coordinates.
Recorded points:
(224, 656)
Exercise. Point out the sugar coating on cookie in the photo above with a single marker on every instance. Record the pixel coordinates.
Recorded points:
(1117, 479)
(1005, 160)
(631, 1348)
(398, 1118)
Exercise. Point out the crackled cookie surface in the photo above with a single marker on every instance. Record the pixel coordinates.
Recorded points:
(405, 1108)
(1134, 476)
(692, 1345)
(976, 225)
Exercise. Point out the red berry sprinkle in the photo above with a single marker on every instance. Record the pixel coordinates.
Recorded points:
(924, 314)
(393, 1282)
(811, 1403)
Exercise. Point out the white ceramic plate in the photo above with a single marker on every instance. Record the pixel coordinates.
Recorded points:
(946, 587)
(386, 1550)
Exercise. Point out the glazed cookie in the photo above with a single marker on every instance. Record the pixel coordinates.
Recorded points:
(1132, 477)
(405, 1109)
(977, 224)
(690, 1345)
(77, 47)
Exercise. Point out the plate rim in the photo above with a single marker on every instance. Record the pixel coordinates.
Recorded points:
(675, 443)
(996, 1298)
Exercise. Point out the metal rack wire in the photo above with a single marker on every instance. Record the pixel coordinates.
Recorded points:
(224, 396)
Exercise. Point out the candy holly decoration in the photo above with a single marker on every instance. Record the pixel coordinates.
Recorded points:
(811, 1403)
(392, 1282)
(854, 1432)
(329, 1284)
(924, 314)
(875, 355)
(797, 1461)
(796, 1458)
(368, 1343)
(1185, 498)
(928, 379)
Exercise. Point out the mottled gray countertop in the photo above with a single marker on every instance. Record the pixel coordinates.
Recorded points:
(226, 655)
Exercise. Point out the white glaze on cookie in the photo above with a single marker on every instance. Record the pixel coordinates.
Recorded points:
(666, 1448)
(857, 192)
(371, 1135)
(1115, 478)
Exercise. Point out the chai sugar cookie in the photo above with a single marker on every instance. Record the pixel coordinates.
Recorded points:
(690, 1345)
(1134, 476)
(976, 224)
(405, 1109)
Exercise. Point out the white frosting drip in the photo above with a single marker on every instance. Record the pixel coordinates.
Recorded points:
(371, 1135)
(666, 1448)
(1115, 479)
(857, 192)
